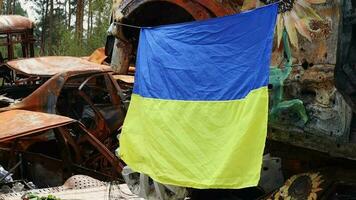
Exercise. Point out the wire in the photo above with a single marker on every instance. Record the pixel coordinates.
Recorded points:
(128, 25)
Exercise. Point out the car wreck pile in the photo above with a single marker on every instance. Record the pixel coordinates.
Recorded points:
(37, 94)
(59, 116)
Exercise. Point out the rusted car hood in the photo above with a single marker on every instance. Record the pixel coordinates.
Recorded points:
(51, 65)
(18, 123)
(14, 23)
(124, 78)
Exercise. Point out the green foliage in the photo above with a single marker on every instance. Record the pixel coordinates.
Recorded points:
(59, 38)
(67, 44)
(9, 9)
(35, 196)
(19, 10)
(54, 36)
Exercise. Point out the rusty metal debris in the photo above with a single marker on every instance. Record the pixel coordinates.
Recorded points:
(30, 122)
(16, 30)
(98, 56)
(49, 66)
(69, 151)
(68, 86)
(14, 23)
(35, 89)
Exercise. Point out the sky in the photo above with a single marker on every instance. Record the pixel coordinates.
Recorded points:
(26, 5)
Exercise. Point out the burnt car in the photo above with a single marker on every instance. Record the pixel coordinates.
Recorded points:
(67, 86)
(16, 37)
(49, 148)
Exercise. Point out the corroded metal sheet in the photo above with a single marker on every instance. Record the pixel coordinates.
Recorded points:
(18, 123)
(125, 78)
(98, 56)
(14, 23)
(51, 65)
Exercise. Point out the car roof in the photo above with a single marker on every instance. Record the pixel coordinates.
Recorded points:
(14, 23)
(51, 65)
(18, 123)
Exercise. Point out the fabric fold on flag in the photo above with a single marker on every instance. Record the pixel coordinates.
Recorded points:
(198, 113)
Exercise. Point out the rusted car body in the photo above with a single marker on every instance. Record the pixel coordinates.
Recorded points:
(312, 97)
(51, 148)
(68, 86)
(16, 30)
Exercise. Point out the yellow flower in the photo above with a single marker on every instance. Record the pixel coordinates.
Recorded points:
(311, 183)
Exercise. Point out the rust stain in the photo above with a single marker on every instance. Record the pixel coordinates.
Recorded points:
(125, 78)
(51, 65)
(320, 29)
(22, 122)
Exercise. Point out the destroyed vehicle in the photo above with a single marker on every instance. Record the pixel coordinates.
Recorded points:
(16, 37)
(68, 86)
(47, 149)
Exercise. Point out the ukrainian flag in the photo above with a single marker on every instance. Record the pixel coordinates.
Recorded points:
(198, 115)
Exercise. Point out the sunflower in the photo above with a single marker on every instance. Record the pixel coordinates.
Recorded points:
(295, 16)
(301, 186)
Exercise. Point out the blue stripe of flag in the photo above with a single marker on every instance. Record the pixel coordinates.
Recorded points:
(218, 59)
